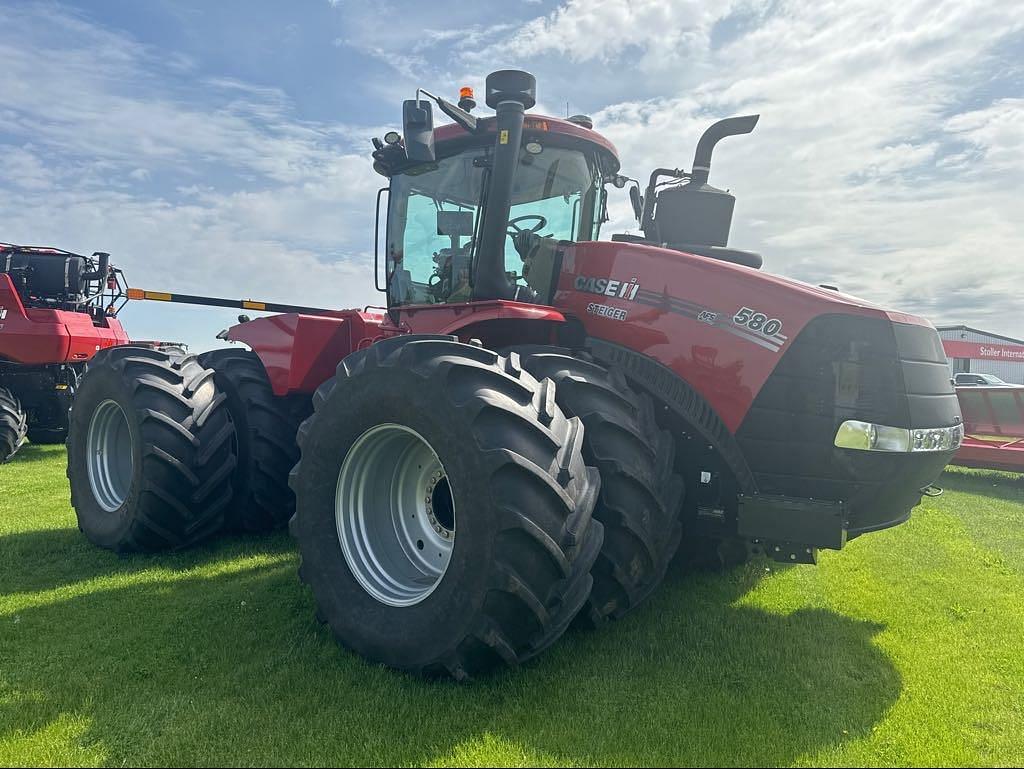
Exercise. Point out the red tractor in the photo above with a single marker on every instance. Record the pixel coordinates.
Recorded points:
(57, 309)
(537, 421)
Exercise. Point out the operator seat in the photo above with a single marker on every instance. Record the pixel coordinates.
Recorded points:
(539, 255)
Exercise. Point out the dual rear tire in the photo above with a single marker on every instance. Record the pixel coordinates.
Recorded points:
(641, 493)
(265, 449)
(150, 457)
(167, 449)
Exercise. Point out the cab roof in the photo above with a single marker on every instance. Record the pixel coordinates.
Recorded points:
(539, 125)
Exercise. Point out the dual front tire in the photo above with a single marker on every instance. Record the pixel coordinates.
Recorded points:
(401, 420)
(457, 508)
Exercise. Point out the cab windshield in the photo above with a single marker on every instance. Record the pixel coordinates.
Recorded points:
(434, 213)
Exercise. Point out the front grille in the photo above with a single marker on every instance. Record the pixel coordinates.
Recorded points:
(847, 367)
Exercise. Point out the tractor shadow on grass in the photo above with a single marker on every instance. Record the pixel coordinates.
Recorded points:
(227, 666)
(35, 452)
(50, 559)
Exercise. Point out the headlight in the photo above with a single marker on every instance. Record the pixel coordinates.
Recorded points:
(865, 436)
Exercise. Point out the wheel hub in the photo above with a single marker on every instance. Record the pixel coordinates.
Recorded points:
(110, 461)
(395, 515)
(440, 511)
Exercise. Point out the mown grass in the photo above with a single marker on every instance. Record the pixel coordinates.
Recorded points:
(905, 648)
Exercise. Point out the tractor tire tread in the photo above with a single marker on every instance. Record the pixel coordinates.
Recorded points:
(13, 425)
(641, 494)
(184, 487)
(547, 540)
(263, 500)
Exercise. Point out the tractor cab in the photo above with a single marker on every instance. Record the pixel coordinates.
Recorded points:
(481, 209)
(477, 209)
(435, 210)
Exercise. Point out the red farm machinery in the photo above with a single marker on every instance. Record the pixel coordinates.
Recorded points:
(57, 309)
(993, 426)
(537, 421)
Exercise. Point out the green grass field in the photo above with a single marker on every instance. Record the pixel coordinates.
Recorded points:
(905, 648)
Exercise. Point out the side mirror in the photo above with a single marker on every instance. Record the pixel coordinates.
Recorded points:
(620, 181)
(638, 202)
(418, 128)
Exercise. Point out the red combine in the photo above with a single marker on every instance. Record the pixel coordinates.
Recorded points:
(537, 421)
(57, 309)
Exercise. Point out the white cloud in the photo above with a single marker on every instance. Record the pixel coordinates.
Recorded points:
(108, 97)
(866, 169)
(251, 201)
(899, 157)
(23, 169)
(583, 30)
(997, 131)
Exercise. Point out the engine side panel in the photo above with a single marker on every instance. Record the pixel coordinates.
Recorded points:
(720, 327)
(457, 318)
(781, 365)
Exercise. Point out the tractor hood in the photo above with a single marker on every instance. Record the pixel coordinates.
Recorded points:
(724, 325)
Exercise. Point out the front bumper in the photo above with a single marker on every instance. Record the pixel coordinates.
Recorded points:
(820, 484)
(793, 529)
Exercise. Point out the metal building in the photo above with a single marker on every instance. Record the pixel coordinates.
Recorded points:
(982, 352)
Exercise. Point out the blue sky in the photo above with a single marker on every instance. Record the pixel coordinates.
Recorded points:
(222, 148)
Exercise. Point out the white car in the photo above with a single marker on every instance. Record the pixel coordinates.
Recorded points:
(980, 380)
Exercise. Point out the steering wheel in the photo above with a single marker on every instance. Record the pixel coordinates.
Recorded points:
(513, 224)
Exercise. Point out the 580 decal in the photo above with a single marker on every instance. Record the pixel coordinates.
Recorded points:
(757, 322)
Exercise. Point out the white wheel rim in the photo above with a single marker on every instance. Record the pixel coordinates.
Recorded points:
(110, 461)
(395, 515)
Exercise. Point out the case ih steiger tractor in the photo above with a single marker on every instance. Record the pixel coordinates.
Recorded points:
(527, 432)
(57, 309)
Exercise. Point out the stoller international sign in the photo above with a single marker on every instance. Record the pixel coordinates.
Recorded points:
(983, 350)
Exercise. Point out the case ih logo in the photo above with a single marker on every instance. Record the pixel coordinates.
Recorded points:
(620, 289)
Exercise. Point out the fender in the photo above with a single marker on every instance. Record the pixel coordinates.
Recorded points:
(673, 391)
(500, 322)
(300, 352)
(455, 318)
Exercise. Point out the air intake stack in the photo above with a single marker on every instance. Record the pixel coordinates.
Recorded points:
(694, 213)
(509, 93)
